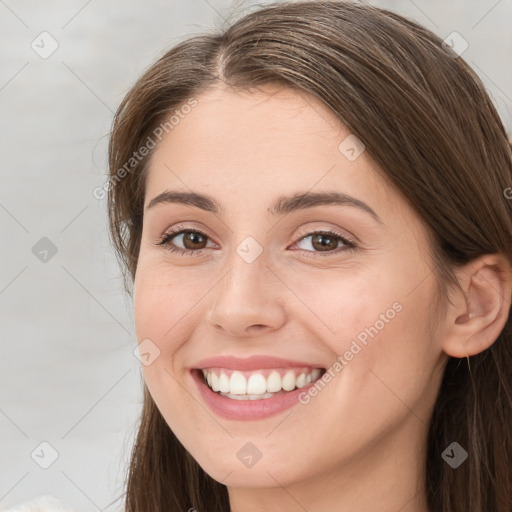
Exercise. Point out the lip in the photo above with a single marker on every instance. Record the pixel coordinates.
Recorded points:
(246, 410)
(251, 363)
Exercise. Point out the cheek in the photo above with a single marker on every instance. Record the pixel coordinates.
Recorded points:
(163, 301)
(376, 320)
(160, 315)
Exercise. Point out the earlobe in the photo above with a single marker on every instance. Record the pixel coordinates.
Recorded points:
(475, 321)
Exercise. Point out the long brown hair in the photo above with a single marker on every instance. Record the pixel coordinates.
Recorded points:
(428, 123)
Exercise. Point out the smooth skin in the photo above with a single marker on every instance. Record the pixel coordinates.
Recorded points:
(359, 444)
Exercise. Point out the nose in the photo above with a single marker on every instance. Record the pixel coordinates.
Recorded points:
(248, 300)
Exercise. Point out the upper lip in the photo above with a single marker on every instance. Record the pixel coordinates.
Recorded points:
(251, 363)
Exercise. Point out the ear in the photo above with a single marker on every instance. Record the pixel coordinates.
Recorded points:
(474, 322)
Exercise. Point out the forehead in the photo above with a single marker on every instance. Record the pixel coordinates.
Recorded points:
(251, 147)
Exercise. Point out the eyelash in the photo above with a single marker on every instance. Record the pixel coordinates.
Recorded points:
(166, 238)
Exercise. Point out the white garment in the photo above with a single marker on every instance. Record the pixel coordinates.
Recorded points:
(45, 503)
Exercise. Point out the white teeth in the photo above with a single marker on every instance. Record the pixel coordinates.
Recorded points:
(237, 384)
(247, 397)
(274, 382)
(301, 380)
(288, 381)
(257, 386)
(215, 382)
(224, 383)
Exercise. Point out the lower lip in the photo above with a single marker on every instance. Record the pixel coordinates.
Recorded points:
(247, 409)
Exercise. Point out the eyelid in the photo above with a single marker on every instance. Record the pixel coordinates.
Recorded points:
(347, 240)
(303, 232)
(308, 231)
(179, 228)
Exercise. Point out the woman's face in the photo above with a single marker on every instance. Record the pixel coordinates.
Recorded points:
(268, 274)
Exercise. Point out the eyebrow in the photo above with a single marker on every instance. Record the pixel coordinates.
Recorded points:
(283, 205)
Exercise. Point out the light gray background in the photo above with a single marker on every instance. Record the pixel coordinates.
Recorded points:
(68, 373)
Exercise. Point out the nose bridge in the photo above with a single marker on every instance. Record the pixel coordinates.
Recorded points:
(248, 264)
(245, 281)
(248, 294)
(245, 275)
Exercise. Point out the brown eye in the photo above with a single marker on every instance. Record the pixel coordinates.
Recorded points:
(193, 240)
(324, 242)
